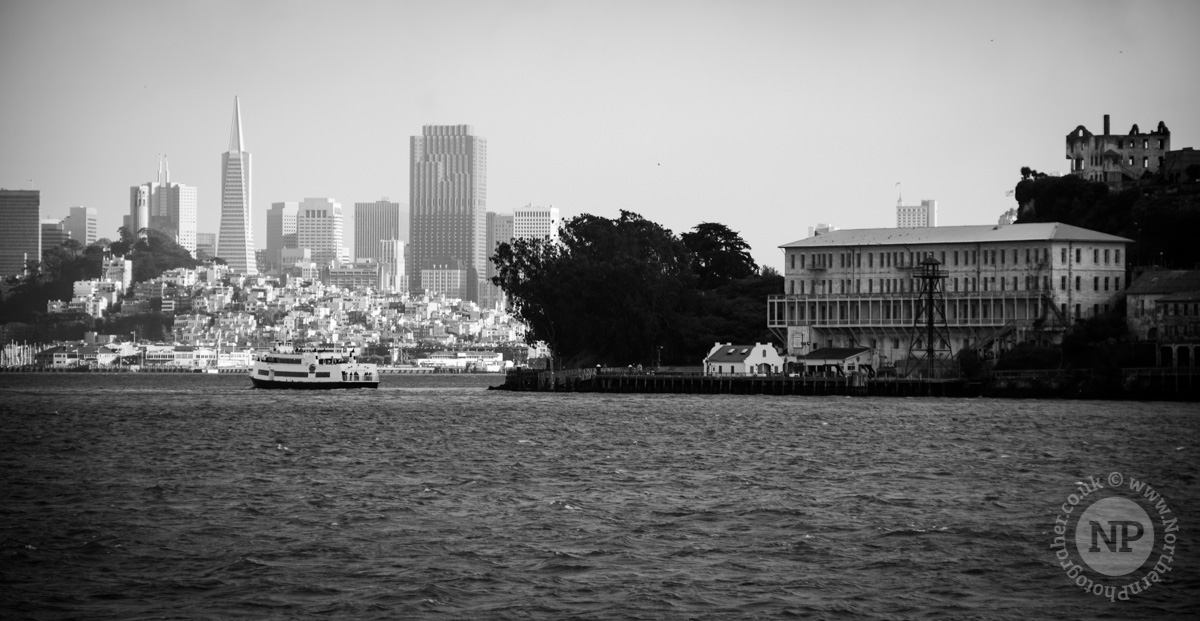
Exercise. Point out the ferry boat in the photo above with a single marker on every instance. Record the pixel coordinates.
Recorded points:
(286, 366)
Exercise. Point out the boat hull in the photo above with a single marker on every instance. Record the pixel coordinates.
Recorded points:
(307, 385)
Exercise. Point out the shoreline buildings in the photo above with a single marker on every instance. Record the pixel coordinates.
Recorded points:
(1002, 285)
(448, 209)
(236, 239)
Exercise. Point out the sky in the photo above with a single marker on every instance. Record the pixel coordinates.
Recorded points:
(766, 116)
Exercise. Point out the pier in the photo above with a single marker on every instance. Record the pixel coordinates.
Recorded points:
(1168, 384)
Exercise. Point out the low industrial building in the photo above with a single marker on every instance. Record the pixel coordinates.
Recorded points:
(998, 285)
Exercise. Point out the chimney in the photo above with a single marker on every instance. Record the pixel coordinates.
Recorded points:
(1106, 125)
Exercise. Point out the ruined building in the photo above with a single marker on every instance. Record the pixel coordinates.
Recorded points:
(1117, 160)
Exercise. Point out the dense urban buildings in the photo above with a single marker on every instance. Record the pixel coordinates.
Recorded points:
(236, 239)
(20, 237)
(915, 216)
(448, 206)
(1000, 285)
(319, 227)
(164, 206)
(376, 222)
(1117, 160)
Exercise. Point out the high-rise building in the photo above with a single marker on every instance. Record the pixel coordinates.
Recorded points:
(916, 216)
(206, 244)
(53, 233)
(499, 231)
(391, 257)
(376, 222)
(448, 204)
(20, 237)
(81, 223)
(532, 222)
(235, 243)
(281, 232)
(319, 228)
(164, 206)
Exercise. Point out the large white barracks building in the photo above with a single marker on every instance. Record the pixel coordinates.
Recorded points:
(1004, 284)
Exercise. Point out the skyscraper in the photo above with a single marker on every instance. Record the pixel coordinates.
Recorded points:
(53, 233)
(164, 206)
(375, 222)
(532, 222)
(499, 231)
(235, 242)
(81, 222)
(281, 231)
(448, 204)
(916, 216)
(319, 228)
(21, 235)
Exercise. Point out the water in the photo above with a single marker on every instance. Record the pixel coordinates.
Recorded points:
(194, 496)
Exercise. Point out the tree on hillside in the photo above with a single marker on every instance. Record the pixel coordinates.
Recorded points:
(152, 253)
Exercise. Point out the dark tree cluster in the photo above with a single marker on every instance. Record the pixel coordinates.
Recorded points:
(628, 291)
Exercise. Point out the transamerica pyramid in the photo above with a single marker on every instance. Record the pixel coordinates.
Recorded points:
(235, 242)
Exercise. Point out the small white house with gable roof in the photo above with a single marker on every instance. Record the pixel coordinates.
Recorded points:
(730, 359)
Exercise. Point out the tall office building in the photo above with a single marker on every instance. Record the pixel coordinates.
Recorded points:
(532, 222)
(448, 204)
(281, 232)
(21, 235)
(81, 223)
(206, 243)
(916, 216)
(391, 257)
(376, 222)
(236, 239)
(53, 233)
(499, 231)
(164, 206)
(319, 228)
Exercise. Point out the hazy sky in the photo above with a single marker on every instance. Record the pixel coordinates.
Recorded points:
(769, 117)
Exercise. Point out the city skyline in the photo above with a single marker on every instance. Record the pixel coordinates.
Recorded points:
(765, 116)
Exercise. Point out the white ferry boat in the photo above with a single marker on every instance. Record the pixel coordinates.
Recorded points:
(311, 367)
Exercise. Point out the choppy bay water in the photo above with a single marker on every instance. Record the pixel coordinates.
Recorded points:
(195, 496)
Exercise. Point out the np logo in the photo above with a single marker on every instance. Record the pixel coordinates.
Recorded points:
(1114, 536)
(1116, 525)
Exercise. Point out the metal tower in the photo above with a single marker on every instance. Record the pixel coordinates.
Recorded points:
(929, 345)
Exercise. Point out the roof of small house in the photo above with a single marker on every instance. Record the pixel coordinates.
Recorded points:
(733, 353)
(1165, 282)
